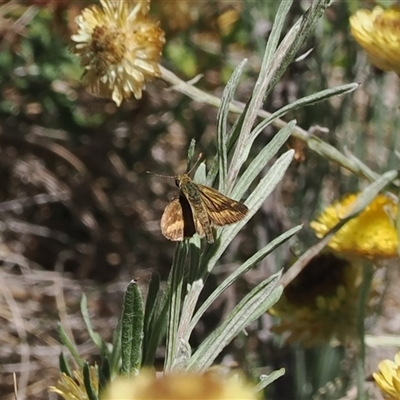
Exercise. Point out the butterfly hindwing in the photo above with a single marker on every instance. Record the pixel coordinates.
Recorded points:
(177, 221)
(172, 225)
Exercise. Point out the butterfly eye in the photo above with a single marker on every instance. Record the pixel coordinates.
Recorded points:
(177, 182)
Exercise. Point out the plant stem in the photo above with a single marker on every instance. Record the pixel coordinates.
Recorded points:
(368, 272)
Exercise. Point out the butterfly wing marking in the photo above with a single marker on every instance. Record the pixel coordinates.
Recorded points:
(191, 224)
(172, 221)
(221, 209)
(177, 220)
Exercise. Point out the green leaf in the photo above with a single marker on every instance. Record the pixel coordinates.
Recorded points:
(65, 340)
(96, 338)
(294, 39)
(104, 375)
(64, 366)
(200, 175)
(370, 192)
(245, 267)
(90, 390)
(185, 323)
(175, 287)
(300, 103)
(252, 306)
(222, 123)
(158, 327)
(132, 330)
(195, 253)
(303, 102)
(240, 155)
(150, 310)
(259, 163)
(254, 202)
(266, 380)
(190, 155)
(115, 356)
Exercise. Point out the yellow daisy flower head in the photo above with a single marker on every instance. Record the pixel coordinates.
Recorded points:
(74, 388)
(179, 386)
(378, 32)
(370, 235)
(319, 305)
(388, 378)
(119, 46)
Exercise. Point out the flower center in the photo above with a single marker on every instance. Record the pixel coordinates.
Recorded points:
(108, 47)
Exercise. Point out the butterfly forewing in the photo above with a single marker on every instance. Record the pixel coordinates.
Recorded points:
(221, 209)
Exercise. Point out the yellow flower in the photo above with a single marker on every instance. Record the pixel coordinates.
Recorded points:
(378, 32)
(179, 386)
(370, 235)
(388, 377)
(74, 389)
(120, 48)
(320, 303)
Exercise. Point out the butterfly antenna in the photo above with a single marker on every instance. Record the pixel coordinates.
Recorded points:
(196, 163)
(161, 176)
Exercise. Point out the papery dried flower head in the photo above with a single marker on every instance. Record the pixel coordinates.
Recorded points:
(120, 48)
(378, 32)
(388, 378)
(182, 386)
(371, 234)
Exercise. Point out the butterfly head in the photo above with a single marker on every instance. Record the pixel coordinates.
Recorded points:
(182, 180)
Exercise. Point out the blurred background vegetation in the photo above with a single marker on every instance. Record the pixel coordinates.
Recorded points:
(80, 214)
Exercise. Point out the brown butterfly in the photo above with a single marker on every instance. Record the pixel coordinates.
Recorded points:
(197, 209)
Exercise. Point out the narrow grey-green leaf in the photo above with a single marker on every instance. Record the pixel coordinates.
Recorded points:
(371, 191)
(132, 330)
(233, 136)
(294, 39)
(104, 375)
(66, 341)
(222, 123)
(150, 310)
(266, 380)
(250, 263)
(200, 174)
(115, 356)
(240, 154)
(96, 338)
(254, 202)
(87, 381)
(64, 366)
(254, 304)
(192, 147)
(300, 103)
(304, 102)
(175, 283)
(195, 252)
(261, 161)
(151, 299)
(158, 327)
